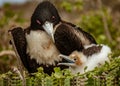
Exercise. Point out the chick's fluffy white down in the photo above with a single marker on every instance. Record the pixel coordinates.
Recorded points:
(98, 58)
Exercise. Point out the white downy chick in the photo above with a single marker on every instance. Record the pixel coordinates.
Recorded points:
(92, 56)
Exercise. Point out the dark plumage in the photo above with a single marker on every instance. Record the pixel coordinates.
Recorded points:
(20, 43)
(45, 11)
(92, 50)
(69, 38)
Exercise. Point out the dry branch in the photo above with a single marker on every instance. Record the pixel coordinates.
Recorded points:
(20, 65)
(107, 32)
(7, 52)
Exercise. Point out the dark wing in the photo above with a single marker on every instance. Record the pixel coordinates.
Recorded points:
(19, 42)
(68, 38)
(92, 50)
(86, 35)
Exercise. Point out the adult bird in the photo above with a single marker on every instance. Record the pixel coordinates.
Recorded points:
(92, 56)
(33, 45)
(66, 36)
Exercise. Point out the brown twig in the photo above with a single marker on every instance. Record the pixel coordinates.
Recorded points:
(7, 52)
(107, 32)
(20, 65)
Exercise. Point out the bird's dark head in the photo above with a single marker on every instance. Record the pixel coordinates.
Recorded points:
(45, 17)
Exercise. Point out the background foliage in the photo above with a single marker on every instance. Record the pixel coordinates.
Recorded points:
(91, 15)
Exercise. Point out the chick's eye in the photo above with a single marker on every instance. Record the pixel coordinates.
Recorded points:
(75, 59)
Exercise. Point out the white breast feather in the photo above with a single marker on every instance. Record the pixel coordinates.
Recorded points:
(41, 48)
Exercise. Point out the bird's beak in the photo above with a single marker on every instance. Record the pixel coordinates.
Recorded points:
(48, 27)
(69, 62)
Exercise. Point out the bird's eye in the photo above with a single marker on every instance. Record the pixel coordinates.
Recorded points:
(75, 59)
(53, 17)
(38, 22)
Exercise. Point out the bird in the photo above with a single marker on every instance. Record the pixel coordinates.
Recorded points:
(34, 46)
(66, 36)
(92, 56)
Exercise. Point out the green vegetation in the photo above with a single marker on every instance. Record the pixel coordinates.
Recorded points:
(72, 5)
(106, 75)
(92, 22)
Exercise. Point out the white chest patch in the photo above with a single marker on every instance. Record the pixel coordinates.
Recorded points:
(41, 48)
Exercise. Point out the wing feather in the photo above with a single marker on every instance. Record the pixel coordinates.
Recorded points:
(19, 44)
(68, 38)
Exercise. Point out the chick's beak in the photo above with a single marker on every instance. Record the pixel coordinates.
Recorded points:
(48, 27)
(69, 62)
